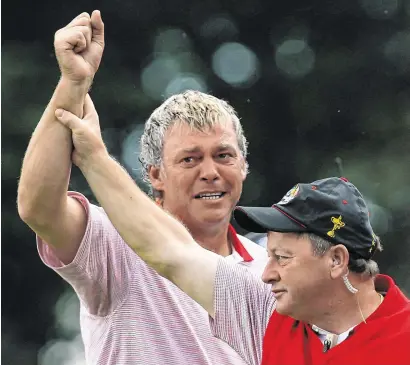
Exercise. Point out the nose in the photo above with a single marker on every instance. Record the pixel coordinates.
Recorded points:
(270, 275)
(208, 170)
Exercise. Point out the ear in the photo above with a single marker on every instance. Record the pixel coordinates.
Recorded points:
(338, 260)
(155, 177)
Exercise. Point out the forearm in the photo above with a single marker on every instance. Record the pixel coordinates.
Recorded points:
(47, 163)
(158, 238)
(154, 235)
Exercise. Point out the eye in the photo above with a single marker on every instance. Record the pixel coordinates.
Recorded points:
(280, 258)
(224, 156)
(188, 162)
(188, 159)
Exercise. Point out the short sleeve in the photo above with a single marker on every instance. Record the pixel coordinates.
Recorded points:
(101, 271)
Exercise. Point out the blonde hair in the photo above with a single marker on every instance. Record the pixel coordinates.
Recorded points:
(198, 110)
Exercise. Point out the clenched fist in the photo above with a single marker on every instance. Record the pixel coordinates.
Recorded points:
(79, 47)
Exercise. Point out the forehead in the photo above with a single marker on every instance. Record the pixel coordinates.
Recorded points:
(291, 242)
(182, 136)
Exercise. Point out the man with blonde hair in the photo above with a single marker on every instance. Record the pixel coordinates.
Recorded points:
(194, 158)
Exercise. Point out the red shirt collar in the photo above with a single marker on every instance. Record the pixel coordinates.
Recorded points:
(238, 246)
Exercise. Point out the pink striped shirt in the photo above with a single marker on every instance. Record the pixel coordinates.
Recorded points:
(243, 306)
(131, 315)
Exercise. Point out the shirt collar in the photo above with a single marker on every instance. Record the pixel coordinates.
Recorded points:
(238, 246)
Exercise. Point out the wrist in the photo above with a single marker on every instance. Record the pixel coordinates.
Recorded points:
(70, 95)
(95, 162)
(82, 85)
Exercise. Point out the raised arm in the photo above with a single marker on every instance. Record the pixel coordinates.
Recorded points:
(158, 238)
(42, 192)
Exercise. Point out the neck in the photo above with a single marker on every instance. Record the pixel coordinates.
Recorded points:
(347, 310)
(215, 239)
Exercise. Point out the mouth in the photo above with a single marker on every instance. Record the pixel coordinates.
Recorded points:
(210, 196)
(278, 293)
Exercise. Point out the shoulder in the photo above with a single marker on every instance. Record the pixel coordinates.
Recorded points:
(258, 253)
(255, 250)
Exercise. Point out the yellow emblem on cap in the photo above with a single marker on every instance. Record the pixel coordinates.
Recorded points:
(337, 224)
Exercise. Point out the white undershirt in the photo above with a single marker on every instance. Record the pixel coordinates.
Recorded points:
(331, 337)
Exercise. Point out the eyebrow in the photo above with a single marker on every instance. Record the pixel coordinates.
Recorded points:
(190, 150)
(225, 146)
(196, 149)
(229, 148)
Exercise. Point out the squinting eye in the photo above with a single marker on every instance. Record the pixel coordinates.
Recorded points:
(281, 258)
(224, 155)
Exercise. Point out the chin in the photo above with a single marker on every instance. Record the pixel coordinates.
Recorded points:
(215, 219)
(284, 309)
(216, 216)
(281, 310)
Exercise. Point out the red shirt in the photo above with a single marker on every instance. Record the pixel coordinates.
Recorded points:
(384, 340)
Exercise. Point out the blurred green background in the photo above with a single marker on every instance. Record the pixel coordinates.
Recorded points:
(322, 88)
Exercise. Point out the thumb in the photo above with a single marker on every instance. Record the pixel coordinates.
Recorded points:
(68, 119)
(97, 28)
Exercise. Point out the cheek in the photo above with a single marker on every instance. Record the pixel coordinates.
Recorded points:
(306, 282)
(297, 277)
(179, 182)
(234, 177)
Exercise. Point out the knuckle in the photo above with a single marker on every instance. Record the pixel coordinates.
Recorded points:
(62, 36)
(80, 31)
(87, 32)
(84, 21)
(57, 36)
(79, 34)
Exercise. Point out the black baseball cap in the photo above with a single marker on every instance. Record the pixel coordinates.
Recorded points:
(331, 208)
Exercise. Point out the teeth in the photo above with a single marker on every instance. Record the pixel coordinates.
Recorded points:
(210, 196)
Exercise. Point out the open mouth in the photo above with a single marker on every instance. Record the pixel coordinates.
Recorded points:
(210, 196)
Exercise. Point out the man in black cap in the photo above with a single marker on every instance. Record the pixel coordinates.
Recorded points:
(324, 303)
(331, 304)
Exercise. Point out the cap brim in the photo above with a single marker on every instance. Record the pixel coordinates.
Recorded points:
(263, 219)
